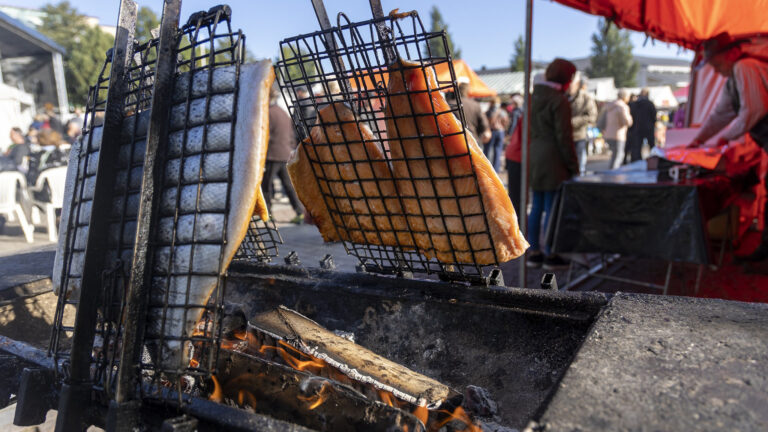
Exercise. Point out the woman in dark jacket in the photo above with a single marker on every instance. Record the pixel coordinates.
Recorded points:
(553, 156)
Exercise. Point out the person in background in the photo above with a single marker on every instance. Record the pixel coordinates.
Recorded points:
(742, 107)
(477, 123)
(304, 108)
(512, 153)
(583, 114)
(498, 122)
(643, 113)
(19, 150)
(678, 120)
(72, 131)
(53, 119)
(552, 157)
(282, 141)
(617, 121)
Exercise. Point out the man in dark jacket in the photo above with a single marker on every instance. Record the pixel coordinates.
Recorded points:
(643, 125)
(282, 141)
(552, 156)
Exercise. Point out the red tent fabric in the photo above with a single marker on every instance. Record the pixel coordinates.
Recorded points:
(684, 22)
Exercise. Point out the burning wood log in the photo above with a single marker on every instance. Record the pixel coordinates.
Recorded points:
(291, 329)
(293, 395)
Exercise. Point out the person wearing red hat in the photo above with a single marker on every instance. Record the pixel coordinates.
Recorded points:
(743, 104)
(552, 156)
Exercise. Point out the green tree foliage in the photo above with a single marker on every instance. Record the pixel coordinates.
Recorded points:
(612, 55)
(146, 21)
(436, 46)
(85, 47)
(295, 69)
(517, 62)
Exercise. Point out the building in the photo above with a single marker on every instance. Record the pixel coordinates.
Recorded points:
(31, 72)
(503, 81)
(654, 71)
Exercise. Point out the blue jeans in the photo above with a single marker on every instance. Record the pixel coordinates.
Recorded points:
(542, 205)
(495, 145)
(581, 154)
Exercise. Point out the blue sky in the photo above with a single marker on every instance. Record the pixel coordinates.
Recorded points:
(484, 29)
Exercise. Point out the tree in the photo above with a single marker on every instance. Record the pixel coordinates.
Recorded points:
(612, 55)
(85, 47)
(146, 21)
(294, 69)
(434, 45)
(518, 57)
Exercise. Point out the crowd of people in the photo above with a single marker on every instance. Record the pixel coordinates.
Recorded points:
(45, 144)
(566, 124)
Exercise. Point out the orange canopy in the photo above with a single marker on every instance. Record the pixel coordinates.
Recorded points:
(684, 22)
(477, 88)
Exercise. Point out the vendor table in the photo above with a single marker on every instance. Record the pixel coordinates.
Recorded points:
(631, 212)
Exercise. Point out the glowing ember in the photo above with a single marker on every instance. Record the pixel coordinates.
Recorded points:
(245, 397)
(318, 398)
(457, 415)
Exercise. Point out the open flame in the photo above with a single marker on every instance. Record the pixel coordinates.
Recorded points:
(457, 415)
(319, 397)
(242, 340)
(217, 395)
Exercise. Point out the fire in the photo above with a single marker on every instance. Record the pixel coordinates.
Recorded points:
(318, 398)
(421, 413)
(458, 415)
(239, 336)
(387, 397)
(313, 364)
(244, 396)
(217, 395)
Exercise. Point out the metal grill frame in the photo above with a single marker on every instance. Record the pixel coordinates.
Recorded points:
(261, 241)
(368, 47)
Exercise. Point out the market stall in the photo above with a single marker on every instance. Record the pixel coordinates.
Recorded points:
(686, 23)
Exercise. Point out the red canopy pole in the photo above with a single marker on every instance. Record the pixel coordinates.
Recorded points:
(526, 138)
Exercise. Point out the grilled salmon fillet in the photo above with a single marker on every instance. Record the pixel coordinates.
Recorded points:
(436, 178)
(343, 179)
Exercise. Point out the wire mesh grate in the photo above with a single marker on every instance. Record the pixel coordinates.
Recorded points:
(260, 242)
(400, 191)
(185, 305)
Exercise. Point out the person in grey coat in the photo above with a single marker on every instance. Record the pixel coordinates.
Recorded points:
(552, 155)
(583, 115)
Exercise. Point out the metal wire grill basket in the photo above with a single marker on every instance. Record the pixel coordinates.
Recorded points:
(195, 200)
(260, 242)
(190, 224)
(397, 205)
(75, 221)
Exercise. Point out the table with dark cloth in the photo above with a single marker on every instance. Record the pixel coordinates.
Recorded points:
(632, 212)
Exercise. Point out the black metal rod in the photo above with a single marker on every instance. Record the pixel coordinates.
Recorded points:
(387, 49)
(330, 42)
(157, 132)
(72, 414)
(526, 138)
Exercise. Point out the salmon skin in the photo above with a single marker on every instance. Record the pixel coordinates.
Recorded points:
(448, 187)
(343, 179)
(190, 244)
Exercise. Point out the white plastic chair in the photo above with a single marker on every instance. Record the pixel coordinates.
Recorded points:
(56, 178)
(10, 206)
